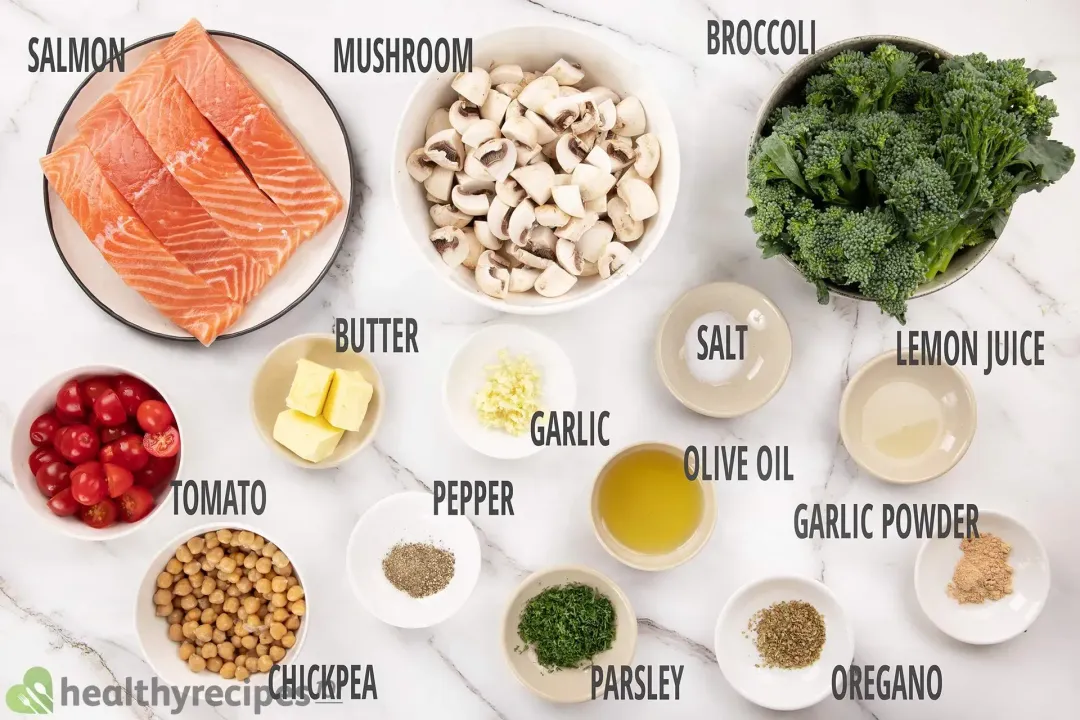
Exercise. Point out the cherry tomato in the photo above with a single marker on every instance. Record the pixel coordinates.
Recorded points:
(69, 402)
(135, 504)
(162, 444)
(43, 456)
(111, 434)
(42, 430)
(88, 483)
(156, 472)
(94, 388)
(63, 504)
(108, 409)
(99, 515)
(53, 478)
(78, 443)
(127, 452)
(154, 416)
(118, 479)
(132, 392)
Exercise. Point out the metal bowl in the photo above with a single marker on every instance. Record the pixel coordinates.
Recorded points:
(789, 92)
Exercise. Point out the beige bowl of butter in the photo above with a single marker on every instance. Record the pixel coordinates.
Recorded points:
(275, 378)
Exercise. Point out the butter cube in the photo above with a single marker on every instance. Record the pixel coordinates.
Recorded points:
(312, 438)
(347, 403)
(309, 387)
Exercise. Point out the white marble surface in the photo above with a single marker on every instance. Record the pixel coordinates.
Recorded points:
(68, 605)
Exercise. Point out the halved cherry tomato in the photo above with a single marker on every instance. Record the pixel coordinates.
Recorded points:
(94, 388)
(88, 483)
(132, 392)
(42, 430)
(99, 515)
(135, 504)
(162, 444)
(78, 443)
(43, 456)
(108, 409)
(63, 504)
(53, 478)
(157, 470)
(112, 434)
(154, 416)
(69, 402)
(118, 479)
(126, 452)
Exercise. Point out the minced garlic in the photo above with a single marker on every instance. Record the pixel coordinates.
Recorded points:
(510, 395)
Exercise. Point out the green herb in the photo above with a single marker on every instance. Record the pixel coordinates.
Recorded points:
(567, 625)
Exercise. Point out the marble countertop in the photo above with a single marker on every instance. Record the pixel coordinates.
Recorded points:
(67, 605)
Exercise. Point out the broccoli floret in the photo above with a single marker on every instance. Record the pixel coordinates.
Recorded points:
(898, 271)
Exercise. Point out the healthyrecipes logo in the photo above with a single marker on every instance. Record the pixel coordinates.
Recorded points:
(34, 695)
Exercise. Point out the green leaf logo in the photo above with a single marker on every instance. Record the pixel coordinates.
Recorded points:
(34, 696)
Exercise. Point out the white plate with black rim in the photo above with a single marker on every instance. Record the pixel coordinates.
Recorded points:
(302, 105)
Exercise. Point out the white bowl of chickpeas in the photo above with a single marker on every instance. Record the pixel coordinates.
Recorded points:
(219, 605)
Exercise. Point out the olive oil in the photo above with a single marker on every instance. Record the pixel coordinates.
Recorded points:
(647, 504)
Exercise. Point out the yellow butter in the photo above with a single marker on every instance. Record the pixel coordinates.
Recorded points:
(312, 438)
(309, 387)
(348, 399)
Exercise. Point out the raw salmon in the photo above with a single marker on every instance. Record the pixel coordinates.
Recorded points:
(180, 223)
(273, 156)
(132, 250)
(195, 155)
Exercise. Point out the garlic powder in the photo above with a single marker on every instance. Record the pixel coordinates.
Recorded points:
(510, 395)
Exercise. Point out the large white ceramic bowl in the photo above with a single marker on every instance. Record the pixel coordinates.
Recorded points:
(43, 400)
(537, 48)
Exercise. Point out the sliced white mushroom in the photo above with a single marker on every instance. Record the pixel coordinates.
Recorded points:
(588, 269)
(479, 133)
(615, 257)
(431, 198)
(594, 241)
(419, 165)
(522, 221)
(563, 179)
(529, 75)
(599, 159)
(527, 154)
(514, 109)
(606, 115)
(540, 245)
(566, 73)
(439, 121)
(520, 130)
(550, 148)
(648, 154)
(629, 117)
(463, 114)
(494, 108)
(474, 247)
(592, 181)
(627, 229)
(570, 151)
(537, 180)
(492, 274)
(597, 205)
(510, 261)
(474, 168)
(471, 203)
(640, 199)
(544, 132)
(446, 149)
(621, 152)
(568, 198)
(498, 219)
(499, 157)
(577, 227)
(451, 245)
(510, 192)
(522, 279)
(588, 140)
(473, 185)
(569, 257)
(483, 234)
(472, 85)
(506, 74)
(563, 111)
(539, 92)
(601, 94)
(551, 216)
(448, 216)
(554, 281)
(440, 183)
(511, 90)
(587, 120)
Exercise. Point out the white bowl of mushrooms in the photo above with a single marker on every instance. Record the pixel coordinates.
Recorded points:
(542, 178)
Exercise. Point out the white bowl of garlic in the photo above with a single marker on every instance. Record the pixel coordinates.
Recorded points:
(541, 179)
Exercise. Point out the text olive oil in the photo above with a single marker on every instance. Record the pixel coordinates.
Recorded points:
(647, 504)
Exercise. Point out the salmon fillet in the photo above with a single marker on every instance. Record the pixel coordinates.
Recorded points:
(176, 220)
(203, 165)
(276, 160)
(131, 249)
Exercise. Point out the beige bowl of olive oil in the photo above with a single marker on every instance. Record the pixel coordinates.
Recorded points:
(646, 513)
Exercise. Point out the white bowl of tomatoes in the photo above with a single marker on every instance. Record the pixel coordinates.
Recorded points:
(94, 451)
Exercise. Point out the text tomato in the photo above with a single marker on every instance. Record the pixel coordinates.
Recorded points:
(162, 444)
(53, 478)
(69, 402)
(99, 515)
(63, 504)
(108, 409)
(78, 443)
(135, 504)
(43, 429)
(88, 483)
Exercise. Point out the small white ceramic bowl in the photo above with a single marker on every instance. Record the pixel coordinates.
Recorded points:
(468, 373)
(410, 517)
(537, 48)
(989, 622)
(161, 653)
(43, 400)
(775, 688)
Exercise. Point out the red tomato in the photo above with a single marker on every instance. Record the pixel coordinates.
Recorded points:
(154, 416)
(112, 434)
(63, 504)
(118, 479)
(88, 483)
(132, 392)
(135, 504)
(78, 443)
(127, 452)
(162, 444)
(69, 402)
(94, 388)
(108, 409)
(53, 478)
(42, 430)
(99, 515)
(43, 456)
(157, 470)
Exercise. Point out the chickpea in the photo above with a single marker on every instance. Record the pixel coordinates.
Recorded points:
(196, 663)
(174, 566)
(215, 556)
(164, 580)
(262, 586)
(182, 588)
(162, 597)
(224, 622)
(278, 600)
(211, 539)
(265, 638)
(176, 617)
(196, 579)
(241, 629)
(293, 581)
(252, 664)
(280, 615)
(277, 630)
(294, 593)
(214, 664)
(265, 663)
(264, 565)
(252, 575)
(298, 608)
(163, 610)
(279, 584)
(205, 565)
(208, 651)
(293, 623)
(250, 560)
(280, 560)
(246, 538)
(191, 567)
(218, 637)
(193, 614)
(196, 544)
(258, 543)
(186, 650)
(269, 549)
(288, 641)
(244, 585)
(261, 651)
(188, 629)
(286, 571)
(217, 597)
(208, 616)
(232, 591)
(249, 642)
(232, 604)
(224, 536)
(241, 659)
(241, 673)
(227, 565)
(189, 602)
(183, 554)
(204, 633)
(226, 650)
(176, 633)
(203, 603)
(228, 670)
(252, 604)
(235, 575)
(277, 653)
(208, 588)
